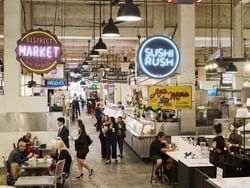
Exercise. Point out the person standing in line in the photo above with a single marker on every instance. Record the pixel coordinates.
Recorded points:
(82, 148)
(105, 120)
(63, 131)
(110, 131)
(77, 106)
(121, 134)
(98, 115)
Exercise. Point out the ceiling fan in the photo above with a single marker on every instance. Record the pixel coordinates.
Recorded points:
(32, 83)
(112, 3)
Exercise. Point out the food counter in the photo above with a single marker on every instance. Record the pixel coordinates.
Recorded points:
(141, 132)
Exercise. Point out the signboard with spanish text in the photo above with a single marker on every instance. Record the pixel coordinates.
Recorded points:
(170, 97)
(38, 51)
(158, 57)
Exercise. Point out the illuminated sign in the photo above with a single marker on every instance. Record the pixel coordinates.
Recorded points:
(55, 83)
(158, 57)
(38, 51)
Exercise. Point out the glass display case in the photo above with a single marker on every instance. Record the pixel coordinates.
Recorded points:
(140, 127)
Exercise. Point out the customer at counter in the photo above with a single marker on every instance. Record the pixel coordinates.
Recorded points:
(63, 131)
(157, 154)
(110, 130)
(17, 157)
(121, 134)
(98, 115)
(105, 120)
(217, 155)
(234, 141)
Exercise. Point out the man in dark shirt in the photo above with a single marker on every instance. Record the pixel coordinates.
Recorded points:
(157, 152)
(63, 131)
(17, 157)
(98, 115)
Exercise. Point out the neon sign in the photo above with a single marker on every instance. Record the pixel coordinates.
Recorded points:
(38, 51)
(158, 57)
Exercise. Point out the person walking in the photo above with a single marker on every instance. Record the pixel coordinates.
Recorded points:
(110, 129)
(82, 148)
(121, 134)
(63, 131)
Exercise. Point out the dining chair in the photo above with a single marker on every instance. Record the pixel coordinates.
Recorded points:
(9, 178)
(30, 181)
(69, 177)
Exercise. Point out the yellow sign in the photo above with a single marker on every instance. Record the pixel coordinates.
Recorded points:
(170, 97)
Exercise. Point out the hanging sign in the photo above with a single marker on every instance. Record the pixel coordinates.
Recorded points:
(170, 97)
(38, 51)
(158, 57)
(55, 83)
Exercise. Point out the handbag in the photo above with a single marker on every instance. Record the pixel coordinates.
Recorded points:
(90, 141)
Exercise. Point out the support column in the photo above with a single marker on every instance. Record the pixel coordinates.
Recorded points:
(12, 32)
(186, 42)
(238, 49)
(13, 102)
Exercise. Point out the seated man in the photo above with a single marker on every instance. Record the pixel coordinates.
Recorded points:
(157, 153)
(17, 157)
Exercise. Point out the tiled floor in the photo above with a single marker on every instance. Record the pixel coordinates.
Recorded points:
(129, 172)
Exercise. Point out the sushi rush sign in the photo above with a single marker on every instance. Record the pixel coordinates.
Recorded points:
(38, 51)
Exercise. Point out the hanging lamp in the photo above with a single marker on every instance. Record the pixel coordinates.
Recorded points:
(100, 45)
(93, 52)
(129, 12)
(110, 29)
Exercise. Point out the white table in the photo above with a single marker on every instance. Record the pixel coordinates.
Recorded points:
(31, 181)
(187, 166)
(38, 164)
(183, 146)
(6, 186)
(242, 182)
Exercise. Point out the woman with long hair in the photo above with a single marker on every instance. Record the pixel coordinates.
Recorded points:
(63, 153)
(110, 129)
(82, 149)
(105, 120)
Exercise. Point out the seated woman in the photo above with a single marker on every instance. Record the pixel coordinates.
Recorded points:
(63, 153)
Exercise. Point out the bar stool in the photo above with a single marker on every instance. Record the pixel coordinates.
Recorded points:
(153, 176)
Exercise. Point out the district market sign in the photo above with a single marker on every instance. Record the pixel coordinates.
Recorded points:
(38, 51)
(158, 57)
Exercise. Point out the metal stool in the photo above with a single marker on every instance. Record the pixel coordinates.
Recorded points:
(153, 176)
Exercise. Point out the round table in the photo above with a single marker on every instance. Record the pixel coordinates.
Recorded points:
(6, 186)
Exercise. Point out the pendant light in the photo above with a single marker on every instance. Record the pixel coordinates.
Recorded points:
(110, 29)
(93, 52)
(100, 45)
(129, 12)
